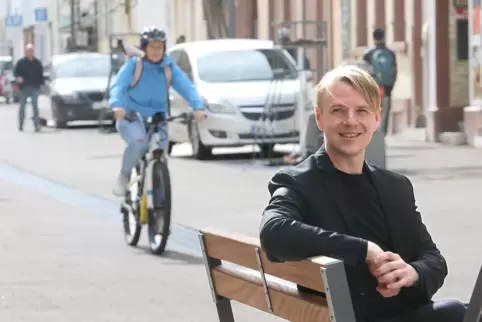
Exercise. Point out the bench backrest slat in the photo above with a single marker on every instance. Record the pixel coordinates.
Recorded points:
(241, 250)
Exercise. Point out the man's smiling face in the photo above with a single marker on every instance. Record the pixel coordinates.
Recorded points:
(347, 119)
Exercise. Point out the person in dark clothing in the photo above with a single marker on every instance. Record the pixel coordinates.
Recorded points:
(336, 204)
(30, 76)
(384, 62)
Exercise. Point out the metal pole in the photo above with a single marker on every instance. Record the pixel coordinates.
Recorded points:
(73, 21)
(232, 18)
(302, 76)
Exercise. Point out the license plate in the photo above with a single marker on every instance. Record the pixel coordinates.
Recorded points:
(261, 129)
(100, 105)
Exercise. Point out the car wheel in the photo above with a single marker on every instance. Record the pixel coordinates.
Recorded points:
(267, 149)
(199, 150)
(169, 149)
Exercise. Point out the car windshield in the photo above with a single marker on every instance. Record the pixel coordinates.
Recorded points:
(244, 66)
(85, 66)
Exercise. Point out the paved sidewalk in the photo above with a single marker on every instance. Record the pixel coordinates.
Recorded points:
(65, 264)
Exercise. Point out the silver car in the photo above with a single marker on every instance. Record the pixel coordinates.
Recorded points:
(251, 88)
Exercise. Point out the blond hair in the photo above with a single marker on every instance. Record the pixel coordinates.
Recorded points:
(354, 76)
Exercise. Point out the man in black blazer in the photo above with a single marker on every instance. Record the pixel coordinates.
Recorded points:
(336, 204)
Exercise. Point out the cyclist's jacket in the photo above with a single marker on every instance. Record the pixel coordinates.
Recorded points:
(150, 94)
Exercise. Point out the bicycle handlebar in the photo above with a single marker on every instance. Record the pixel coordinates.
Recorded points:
(157, 118)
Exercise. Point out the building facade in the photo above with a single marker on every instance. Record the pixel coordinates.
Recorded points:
(427, 36)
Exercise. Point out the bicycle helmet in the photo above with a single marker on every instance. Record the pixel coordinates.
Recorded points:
(150, 34)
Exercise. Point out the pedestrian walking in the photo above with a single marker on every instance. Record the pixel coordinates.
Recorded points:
(29, 76)
(384, 63)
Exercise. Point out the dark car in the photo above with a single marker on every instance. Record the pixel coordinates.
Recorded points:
(76, 87)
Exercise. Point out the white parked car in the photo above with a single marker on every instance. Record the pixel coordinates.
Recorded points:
(251, 88)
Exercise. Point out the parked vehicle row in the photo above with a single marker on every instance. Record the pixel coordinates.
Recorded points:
(251, 88)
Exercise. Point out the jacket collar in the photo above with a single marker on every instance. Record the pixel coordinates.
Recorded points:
(324, 162)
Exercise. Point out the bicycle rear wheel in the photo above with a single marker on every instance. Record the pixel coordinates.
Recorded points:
(132, 225)
(159, 221)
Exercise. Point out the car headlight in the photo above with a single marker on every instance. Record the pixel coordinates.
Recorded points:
(220, 108)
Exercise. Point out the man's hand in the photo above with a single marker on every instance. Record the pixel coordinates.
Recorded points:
(119, 113)
(373, 251)
(19, 80)
(392, 273)
(200, 115)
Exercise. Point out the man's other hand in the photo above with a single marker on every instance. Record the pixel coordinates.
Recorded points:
(19, 80)
(392, 273)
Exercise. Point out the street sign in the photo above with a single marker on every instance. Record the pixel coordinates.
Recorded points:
(13, 21)
(41, 14)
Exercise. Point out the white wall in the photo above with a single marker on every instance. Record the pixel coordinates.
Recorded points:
(3, 13)
(154, 13)
(15, 37)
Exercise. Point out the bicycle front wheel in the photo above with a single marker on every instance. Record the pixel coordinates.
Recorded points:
(131, 222)
(159, 221)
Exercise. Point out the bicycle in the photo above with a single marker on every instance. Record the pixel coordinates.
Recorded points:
(148, 202)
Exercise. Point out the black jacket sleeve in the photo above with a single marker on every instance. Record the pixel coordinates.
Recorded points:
(285, 235)
(18, 68)
(430, 265)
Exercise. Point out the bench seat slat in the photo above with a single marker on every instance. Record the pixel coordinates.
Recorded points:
(287, 302)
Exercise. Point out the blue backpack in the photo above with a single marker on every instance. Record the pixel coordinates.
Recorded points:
(384, 66)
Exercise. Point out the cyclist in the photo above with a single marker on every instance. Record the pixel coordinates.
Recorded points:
(150, 95)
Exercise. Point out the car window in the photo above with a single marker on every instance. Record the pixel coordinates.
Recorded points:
(83, 66)
(245, 65)
(184, 63)
(175, 54)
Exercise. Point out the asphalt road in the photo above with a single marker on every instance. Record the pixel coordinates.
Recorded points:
(62, 249)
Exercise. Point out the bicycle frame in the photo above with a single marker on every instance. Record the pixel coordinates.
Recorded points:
(154, 153)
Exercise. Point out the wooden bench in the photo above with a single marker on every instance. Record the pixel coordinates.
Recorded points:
(238, 270)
